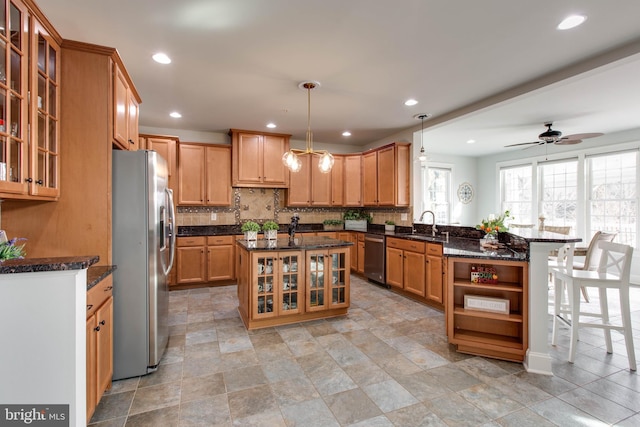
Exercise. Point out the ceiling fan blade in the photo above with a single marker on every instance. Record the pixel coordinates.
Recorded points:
(567, 141)
(583, 135)
(524, 143)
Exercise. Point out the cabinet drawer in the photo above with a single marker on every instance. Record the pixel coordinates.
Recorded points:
(220, 240)
(97, 295)
(405, 245)
(192, 241)
(434, 249)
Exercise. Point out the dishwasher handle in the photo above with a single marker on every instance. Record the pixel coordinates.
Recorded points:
(374, 239)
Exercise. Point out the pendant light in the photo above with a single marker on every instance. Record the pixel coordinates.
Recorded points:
(290, 158)
(422, 156)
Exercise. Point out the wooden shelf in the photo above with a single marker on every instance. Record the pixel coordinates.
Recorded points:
(500, 286)
(511, 317)
(487, 339)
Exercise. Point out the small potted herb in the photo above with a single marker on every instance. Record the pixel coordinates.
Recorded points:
(389, 225)
(333, 224)
(270, 229)
(355, 219)
(250, 230)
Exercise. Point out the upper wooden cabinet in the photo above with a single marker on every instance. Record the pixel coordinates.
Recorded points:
(353, 180)
(386, 175)
(29, 105)
(204, 175)
(257, 159)
(310, 187)
(125, 111)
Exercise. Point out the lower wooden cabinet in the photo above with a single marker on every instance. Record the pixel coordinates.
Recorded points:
(99, 342)
(360, 249)
(434, 274)
(202, 259)
(480, 328)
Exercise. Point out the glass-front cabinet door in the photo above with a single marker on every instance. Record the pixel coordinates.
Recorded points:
(44, 118)
(339, 278)
(265, 293)
(291, 268)
(13, 103)
(317, 280)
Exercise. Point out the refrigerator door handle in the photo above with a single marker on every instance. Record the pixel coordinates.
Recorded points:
(172, 231)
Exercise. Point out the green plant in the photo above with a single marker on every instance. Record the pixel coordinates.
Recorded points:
(332, 221)
(493, 223)
(270, 225)
(389, 222)
(9, 250)
(250, 226)
(356, 215)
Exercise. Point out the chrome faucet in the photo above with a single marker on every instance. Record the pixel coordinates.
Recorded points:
(434, 230)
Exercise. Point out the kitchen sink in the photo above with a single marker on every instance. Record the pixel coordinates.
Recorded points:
(424, 237)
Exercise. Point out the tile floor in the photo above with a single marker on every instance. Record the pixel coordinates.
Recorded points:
(385, 364)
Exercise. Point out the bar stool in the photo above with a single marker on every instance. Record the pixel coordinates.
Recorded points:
(613, 273)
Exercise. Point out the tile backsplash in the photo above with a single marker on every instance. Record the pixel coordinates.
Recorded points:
(262, 204)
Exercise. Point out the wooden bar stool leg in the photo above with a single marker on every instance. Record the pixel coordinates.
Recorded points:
(574, 302)
(604, 311)
(626, 323)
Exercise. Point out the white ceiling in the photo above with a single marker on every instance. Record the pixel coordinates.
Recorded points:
(238, 63)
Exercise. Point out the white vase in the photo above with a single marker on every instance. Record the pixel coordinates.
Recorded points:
(390, 228)
(271, 234)
(250, 235)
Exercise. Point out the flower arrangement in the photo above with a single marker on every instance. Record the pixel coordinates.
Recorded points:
(9, 249)
(493, 223)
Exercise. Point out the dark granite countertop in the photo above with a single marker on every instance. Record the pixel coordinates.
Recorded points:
(31, 265)
(301, 243)
(97, 273)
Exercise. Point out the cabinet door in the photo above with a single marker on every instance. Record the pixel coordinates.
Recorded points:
(249, 158)
(414, 267)
(166, 147)
(121, 105)
(395, 268)
(360, 264)
(264, 302)
(133, 114)
(220, 264)
(337, 181)
(403, 175)
(317, 267)
(191, 264)
(339, 286)
(44, 118)
(92, 369)
(386, 174)
(353, 180)
(291, 277)
(191, 172)
(434, 279)
(320, 185)
(104, 346)
(300, 184)
(218, 182)
(370, 178)
(273, 171)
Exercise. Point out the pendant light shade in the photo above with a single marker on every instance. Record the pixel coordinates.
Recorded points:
(290, 158)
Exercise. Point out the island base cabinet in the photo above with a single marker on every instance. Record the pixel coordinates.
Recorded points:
(276, 288)
(488, 319)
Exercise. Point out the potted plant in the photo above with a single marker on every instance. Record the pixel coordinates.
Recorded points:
(355, 219)
(389, 225)
(250, 230)
(332, 224)
(270, 229)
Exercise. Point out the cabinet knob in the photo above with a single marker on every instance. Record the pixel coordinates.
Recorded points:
(29, 180)
(39, 182)
(131, 141)
(103, 322)
(97, 329)
(108, 288)
(89, 306)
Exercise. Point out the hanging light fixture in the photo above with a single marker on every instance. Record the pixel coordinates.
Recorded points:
(290, 158)
(422, 156)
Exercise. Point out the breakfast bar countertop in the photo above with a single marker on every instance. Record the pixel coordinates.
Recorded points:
(32, 265)
(301, 242)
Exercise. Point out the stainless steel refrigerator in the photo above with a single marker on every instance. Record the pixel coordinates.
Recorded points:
(143, 252)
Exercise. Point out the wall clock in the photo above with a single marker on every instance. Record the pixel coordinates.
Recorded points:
(465, 192)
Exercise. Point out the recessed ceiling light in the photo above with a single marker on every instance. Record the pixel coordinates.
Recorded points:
(410, 102)
(175, 115)
(271, 125)
(571, 22)
(161, 58)
(346, 133)
(471, 141)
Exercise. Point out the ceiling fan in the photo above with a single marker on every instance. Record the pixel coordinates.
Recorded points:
(555, 136)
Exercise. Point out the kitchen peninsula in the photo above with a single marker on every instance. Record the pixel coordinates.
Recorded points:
(282, 282)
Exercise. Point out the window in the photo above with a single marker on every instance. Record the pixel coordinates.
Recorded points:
(437, 193)
(559, 192)
(612, 197)
(515, 185)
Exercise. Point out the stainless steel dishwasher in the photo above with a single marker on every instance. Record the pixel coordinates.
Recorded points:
(374, 257)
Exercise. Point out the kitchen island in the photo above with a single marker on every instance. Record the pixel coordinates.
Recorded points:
(282, 282)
